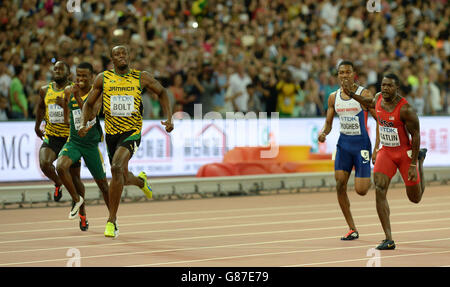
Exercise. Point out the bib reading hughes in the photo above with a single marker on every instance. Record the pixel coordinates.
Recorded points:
(122, 102)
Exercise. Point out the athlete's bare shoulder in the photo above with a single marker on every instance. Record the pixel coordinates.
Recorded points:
(333, 95)
(43, 89)
(406, 108)
(331, 100)
(100, 75)
(407, 113)
(98, 81)
(376, 96)
(149, 82)
(146, 75)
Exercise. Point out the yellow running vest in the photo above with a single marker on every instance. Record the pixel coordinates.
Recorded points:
(122, 102)
(54, 114)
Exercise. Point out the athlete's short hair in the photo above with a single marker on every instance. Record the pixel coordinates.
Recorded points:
(346, 63)
(86, 65)
(119, 46)
(65, 65)
(394, 77)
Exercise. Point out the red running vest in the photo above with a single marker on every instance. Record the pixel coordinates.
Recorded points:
(392, 130)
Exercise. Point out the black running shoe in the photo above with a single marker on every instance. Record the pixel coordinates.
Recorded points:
(351, 235)
(422, 153)
(58, 193)
(84, 224)
(386, 245)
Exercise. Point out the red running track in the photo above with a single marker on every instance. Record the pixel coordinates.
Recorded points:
(301, 229)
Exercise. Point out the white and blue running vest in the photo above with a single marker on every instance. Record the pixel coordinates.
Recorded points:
(352, 117)
(353, 148)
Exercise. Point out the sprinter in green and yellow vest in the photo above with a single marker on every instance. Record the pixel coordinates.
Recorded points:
(86, 147)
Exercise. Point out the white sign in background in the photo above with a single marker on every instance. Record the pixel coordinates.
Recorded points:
(194, 143)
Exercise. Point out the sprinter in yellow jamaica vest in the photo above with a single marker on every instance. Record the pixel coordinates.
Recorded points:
(56, 129)
(121, 90)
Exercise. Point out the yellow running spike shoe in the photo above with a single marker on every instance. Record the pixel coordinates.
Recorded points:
(147, 189)
(111, 230)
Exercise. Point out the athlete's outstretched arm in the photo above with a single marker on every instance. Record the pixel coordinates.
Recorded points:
(40, 111)
(97, 106)
(366, 98)
(329, 119)
(153, 85)
(411, 120)
(376, 147)
(88, 111)
(76, 95)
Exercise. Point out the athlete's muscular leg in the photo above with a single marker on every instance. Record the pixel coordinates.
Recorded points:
(362, 185)
(133, 180)
(422, 178)
(79, 186)
(415, 192)
(103, 185)
(119, 171)
(62, 166)
(341, 188)
(382, 182)
(46, 158)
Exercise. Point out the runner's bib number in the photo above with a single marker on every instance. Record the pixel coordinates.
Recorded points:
(77, 120)
(122, 106)
(55, 114)
(389, 136)
(350, 125)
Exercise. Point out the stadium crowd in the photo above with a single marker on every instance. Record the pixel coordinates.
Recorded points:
(249, 55)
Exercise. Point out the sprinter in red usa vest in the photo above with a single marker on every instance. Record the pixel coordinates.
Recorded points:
(399, 135)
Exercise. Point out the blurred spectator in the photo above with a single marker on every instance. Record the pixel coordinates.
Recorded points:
(420, 97)
(287, 90)
(18, 99)
(147, 105)
(193, 90)
(435, 97)
(209, 84)
(5, 80)
(254, 102)
(268, 87)
(221, 75)
(405, 86)
(178, 93)
(299, 108)
(313, 105)
(330, 86)
(238, 83)
(3, 108)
